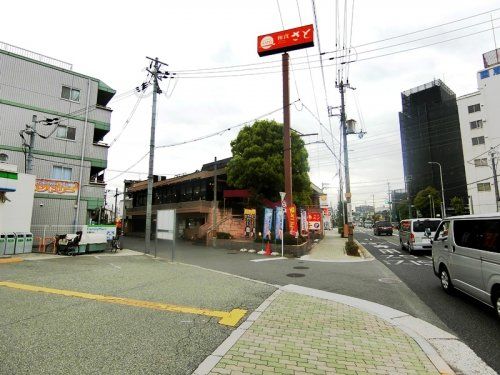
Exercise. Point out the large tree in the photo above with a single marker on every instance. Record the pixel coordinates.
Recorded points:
(257, 163)
(422, 201)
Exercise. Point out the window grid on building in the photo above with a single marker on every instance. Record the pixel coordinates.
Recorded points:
(474, 108)
(484, 186)
(476, 124)
(61, 173)
(66, 132)
(478, 141)
(483, 162)
(70, 93)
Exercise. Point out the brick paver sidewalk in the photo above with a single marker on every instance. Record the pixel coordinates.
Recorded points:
(300, 334)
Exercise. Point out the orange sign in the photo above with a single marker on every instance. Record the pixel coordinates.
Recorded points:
(58, 187)
(285, 40)
(291, 213)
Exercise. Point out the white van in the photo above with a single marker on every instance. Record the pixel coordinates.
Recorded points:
(466, 256)
(416, 234)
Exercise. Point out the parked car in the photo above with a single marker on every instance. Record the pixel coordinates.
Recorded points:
(466, 256)
(384, 227)
(413, 235)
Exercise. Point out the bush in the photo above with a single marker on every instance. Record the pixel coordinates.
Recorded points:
(351, 248)
(224, 236)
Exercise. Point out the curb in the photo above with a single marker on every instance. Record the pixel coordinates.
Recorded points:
(365, 254)
(11, 260)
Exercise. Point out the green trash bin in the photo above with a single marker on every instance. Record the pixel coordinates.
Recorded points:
(20, 237)
(10, 243)
(28, 243)
(3, 240)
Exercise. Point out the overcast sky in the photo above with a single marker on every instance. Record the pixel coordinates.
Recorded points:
(110, 40)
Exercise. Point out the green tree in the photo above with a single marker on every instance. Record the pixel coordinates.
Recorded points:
(458, 205)
(257, 163)
(402, 210)
(422, 202)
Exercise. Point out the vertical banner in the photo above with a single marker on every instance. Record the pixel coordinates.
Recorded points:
(291, 217)
(304, 227)
(314, 220)
(268, 218)
(249, 222)
(278, 222)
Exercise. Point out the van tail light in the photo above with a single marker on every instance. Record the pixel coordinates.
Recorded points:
(412, 237)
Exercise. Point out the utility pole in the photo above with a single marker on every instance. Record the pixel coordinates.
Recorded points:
(287, 144)
(373, 199)
(214, 219)
(348, 220)
(389, 201)
(495, 178)
(32, 134)
(116, 202)
(156, 74)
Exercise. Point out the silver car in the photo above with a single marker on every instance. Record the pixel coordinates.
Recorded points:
(416, 234)
(466, 256)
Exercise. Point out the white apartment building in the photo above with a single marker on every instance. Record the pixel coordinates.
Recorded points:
(69, 164)
(479, 114)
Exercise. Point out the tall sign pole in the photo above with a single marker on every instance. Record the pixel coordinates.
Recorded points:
(287, 142)
(350, 237)
(273, 43)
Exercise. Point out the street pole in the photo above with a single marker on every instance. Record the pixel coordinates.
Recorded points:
(495, 178)
(287, 144)
(116, 202)
(443, 204)
(283, 205)
(29, 167)
(214, 219)
(346, 164)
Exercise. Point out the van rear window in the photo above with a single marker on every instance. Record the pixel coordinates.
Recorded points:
(478, 234)
(420, 225)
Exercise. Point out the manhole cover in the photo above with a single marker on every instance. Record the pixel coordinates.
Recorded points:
(295, 275)
(389, 280)
(301, 268)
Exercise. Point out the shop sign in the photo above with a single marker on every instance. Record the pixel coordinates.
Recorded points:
(285, 40)
(57, 187)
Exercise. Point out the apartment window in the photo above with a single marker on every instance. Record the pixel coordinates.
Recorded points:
(474, 108)
(481, 162)
(484, 74)
(66, 132)
(478, 141)
(476, 124)
(61, 173)
(69, 93)
(484, 186)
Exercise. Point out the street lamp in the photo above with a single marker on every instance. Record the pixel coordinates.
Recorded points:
(443, 205)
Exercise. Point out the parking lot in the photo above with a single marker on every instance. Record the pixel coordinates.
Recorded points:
(117, 313)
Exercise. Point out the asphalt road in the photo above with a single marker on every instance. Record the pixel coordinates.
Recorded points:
(473, 322)
(43, 333)
(370, 280)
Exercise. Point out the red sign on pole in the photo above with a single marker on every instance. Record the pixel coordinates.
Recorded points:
(291, 215)
(286, 40)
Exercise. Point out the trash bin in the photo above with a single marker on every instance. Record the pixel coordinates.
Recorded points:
(20, 237)
(28, 243)
(3, 240)
(10, 243)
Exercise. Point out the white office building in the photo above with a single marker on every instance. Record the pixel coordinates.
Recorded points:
(479, 114)
(69, 157)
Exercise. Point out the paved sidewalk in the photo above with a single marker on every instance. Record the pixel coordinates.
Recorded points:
(332, 249)
(302, 331)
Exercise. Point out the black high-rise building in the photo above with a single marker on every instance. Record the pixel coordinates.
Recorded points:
(430, 131)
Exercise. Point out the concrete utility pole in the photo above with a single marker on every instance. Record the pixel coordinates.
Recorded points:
(32, 134)
(154, 70)
(287, 143)
(348, 219)
(214, 219)
(116, 202)
(495, 178)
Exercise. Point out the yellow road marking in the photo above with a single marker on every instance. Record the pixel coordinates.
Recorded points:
(11, 260)
(230, 318)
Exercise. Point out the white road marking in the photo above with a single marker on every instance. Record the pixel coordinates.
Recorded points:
(266, 259)
(118, 267)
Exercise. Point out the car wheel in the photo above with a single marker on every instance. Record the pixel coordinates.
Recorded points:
(446, 284)
(496, 304)
(410, 250)
(401, 244)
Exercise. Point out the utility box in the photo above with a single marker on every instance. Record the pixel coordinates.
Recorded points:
(28, 243)
(10, 243)
(20, 237)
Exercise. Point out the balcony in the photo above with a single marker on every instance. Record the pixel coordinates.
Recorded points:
(182, 207)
